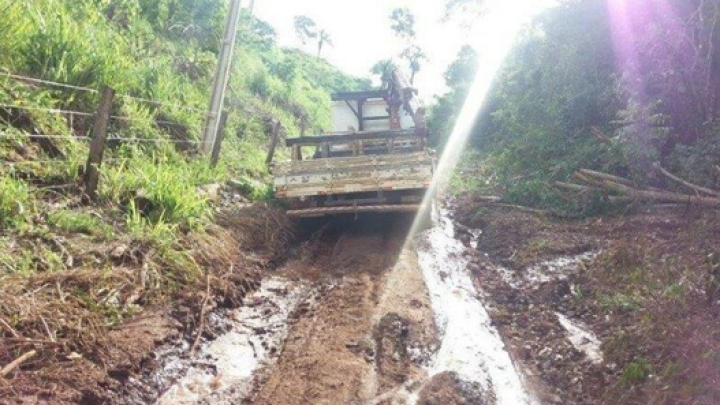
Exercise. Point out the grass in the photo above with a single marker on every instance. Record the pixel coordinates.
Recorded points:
(635, 372)
(15, 201)
(79, 222)
(158, 190)
(655, 291)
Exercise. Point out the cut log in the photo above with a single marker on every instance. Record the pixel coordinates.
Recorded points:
(695, 187)
(587, 179)
(584, 189)
(574, 187)
(605, 176)
(662, 196)
(597, 133)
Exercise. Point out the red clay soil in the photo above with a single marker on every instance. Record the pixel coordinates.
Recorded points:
(351, 347)
(647, 294)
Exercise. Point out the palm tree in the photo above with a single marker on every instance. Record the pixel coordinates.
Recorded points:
(323, 38)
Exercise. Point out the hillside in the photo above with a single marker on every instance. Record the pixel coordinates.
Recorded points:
(72, 269)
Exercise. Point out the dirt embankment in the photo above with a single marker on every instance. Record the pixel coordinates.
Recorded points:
(81, 360)
(605, 311)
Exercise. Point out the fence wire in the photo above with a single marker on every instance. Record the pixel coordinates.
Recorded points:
(95, 91)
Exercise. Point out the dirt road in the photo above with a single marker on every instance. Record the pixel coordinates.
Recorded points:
(350, 319)
(501, 309)
(372, 310)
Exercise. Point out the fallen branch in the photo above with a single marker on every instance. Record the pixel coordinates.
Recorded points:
(517, 207)
(17, 362)
(203, 310)
(522, 208)
(9, 328)
(33, 341)
(695, 187)
(489, 198)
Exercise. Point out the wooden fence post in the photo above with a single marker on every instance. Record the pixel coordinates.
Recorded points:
(273, 143)
(98, 141)
(219, 139)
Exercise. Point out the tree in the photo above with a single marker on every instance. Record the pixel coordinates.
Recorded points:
(458, 77)
(256, 33)
(465, 12)
(415, 57)
(403, 23)
(323, 38)
(305, 28)
(383, 69)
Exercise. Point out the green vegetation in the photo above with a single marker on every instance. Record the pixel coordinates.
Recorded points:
(635, 372)
(571, 96)
(151, 209)
(14, 199)
(79, 222)
(159, 50)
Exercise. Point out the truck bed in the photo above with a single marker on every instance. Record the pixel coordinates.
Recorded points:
(357, 174)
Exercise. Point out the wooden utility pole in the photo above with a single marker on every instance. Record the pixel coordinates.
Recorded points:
(273, 143)
(98, 141)
(219, 139)
(222, 75)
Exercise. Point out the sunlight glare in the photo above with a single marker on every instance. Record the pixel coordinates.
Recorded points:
(494, 37)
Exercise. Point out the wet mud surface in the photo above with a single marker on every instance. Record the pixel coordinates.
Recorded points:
(361, 313)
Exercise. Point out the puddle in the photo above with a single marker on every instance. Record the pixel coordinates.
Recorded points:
(582, 339)
(225, 370)
(470, 346)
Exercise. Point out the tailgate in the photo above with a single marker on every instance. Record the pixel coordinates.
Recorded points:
(353, 175)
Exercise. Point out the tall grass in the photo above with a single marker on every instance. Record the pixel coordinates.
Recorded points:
(15, 200)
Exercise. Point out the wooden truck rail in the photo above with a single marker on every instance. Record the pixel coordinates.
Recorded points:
(357, 174)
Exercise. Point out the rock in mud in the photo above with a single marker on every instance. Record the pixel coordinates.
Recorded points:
(448, 388)
(391, 357)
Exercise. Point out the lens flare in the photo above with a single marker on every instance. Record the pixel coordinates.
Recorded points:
(496, 33)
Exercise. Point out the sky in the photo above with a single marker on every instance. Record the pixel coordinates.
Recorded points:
(361, 32)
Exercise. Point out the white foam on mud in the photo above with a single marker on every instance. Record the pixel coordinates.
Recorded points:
(470, 345)
(226, 367)
(557, 269)
(582, 339)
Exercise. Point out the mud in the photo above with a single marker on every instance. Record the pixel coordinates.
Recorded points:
(486, 307)
(449, 388)
(355, 344)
